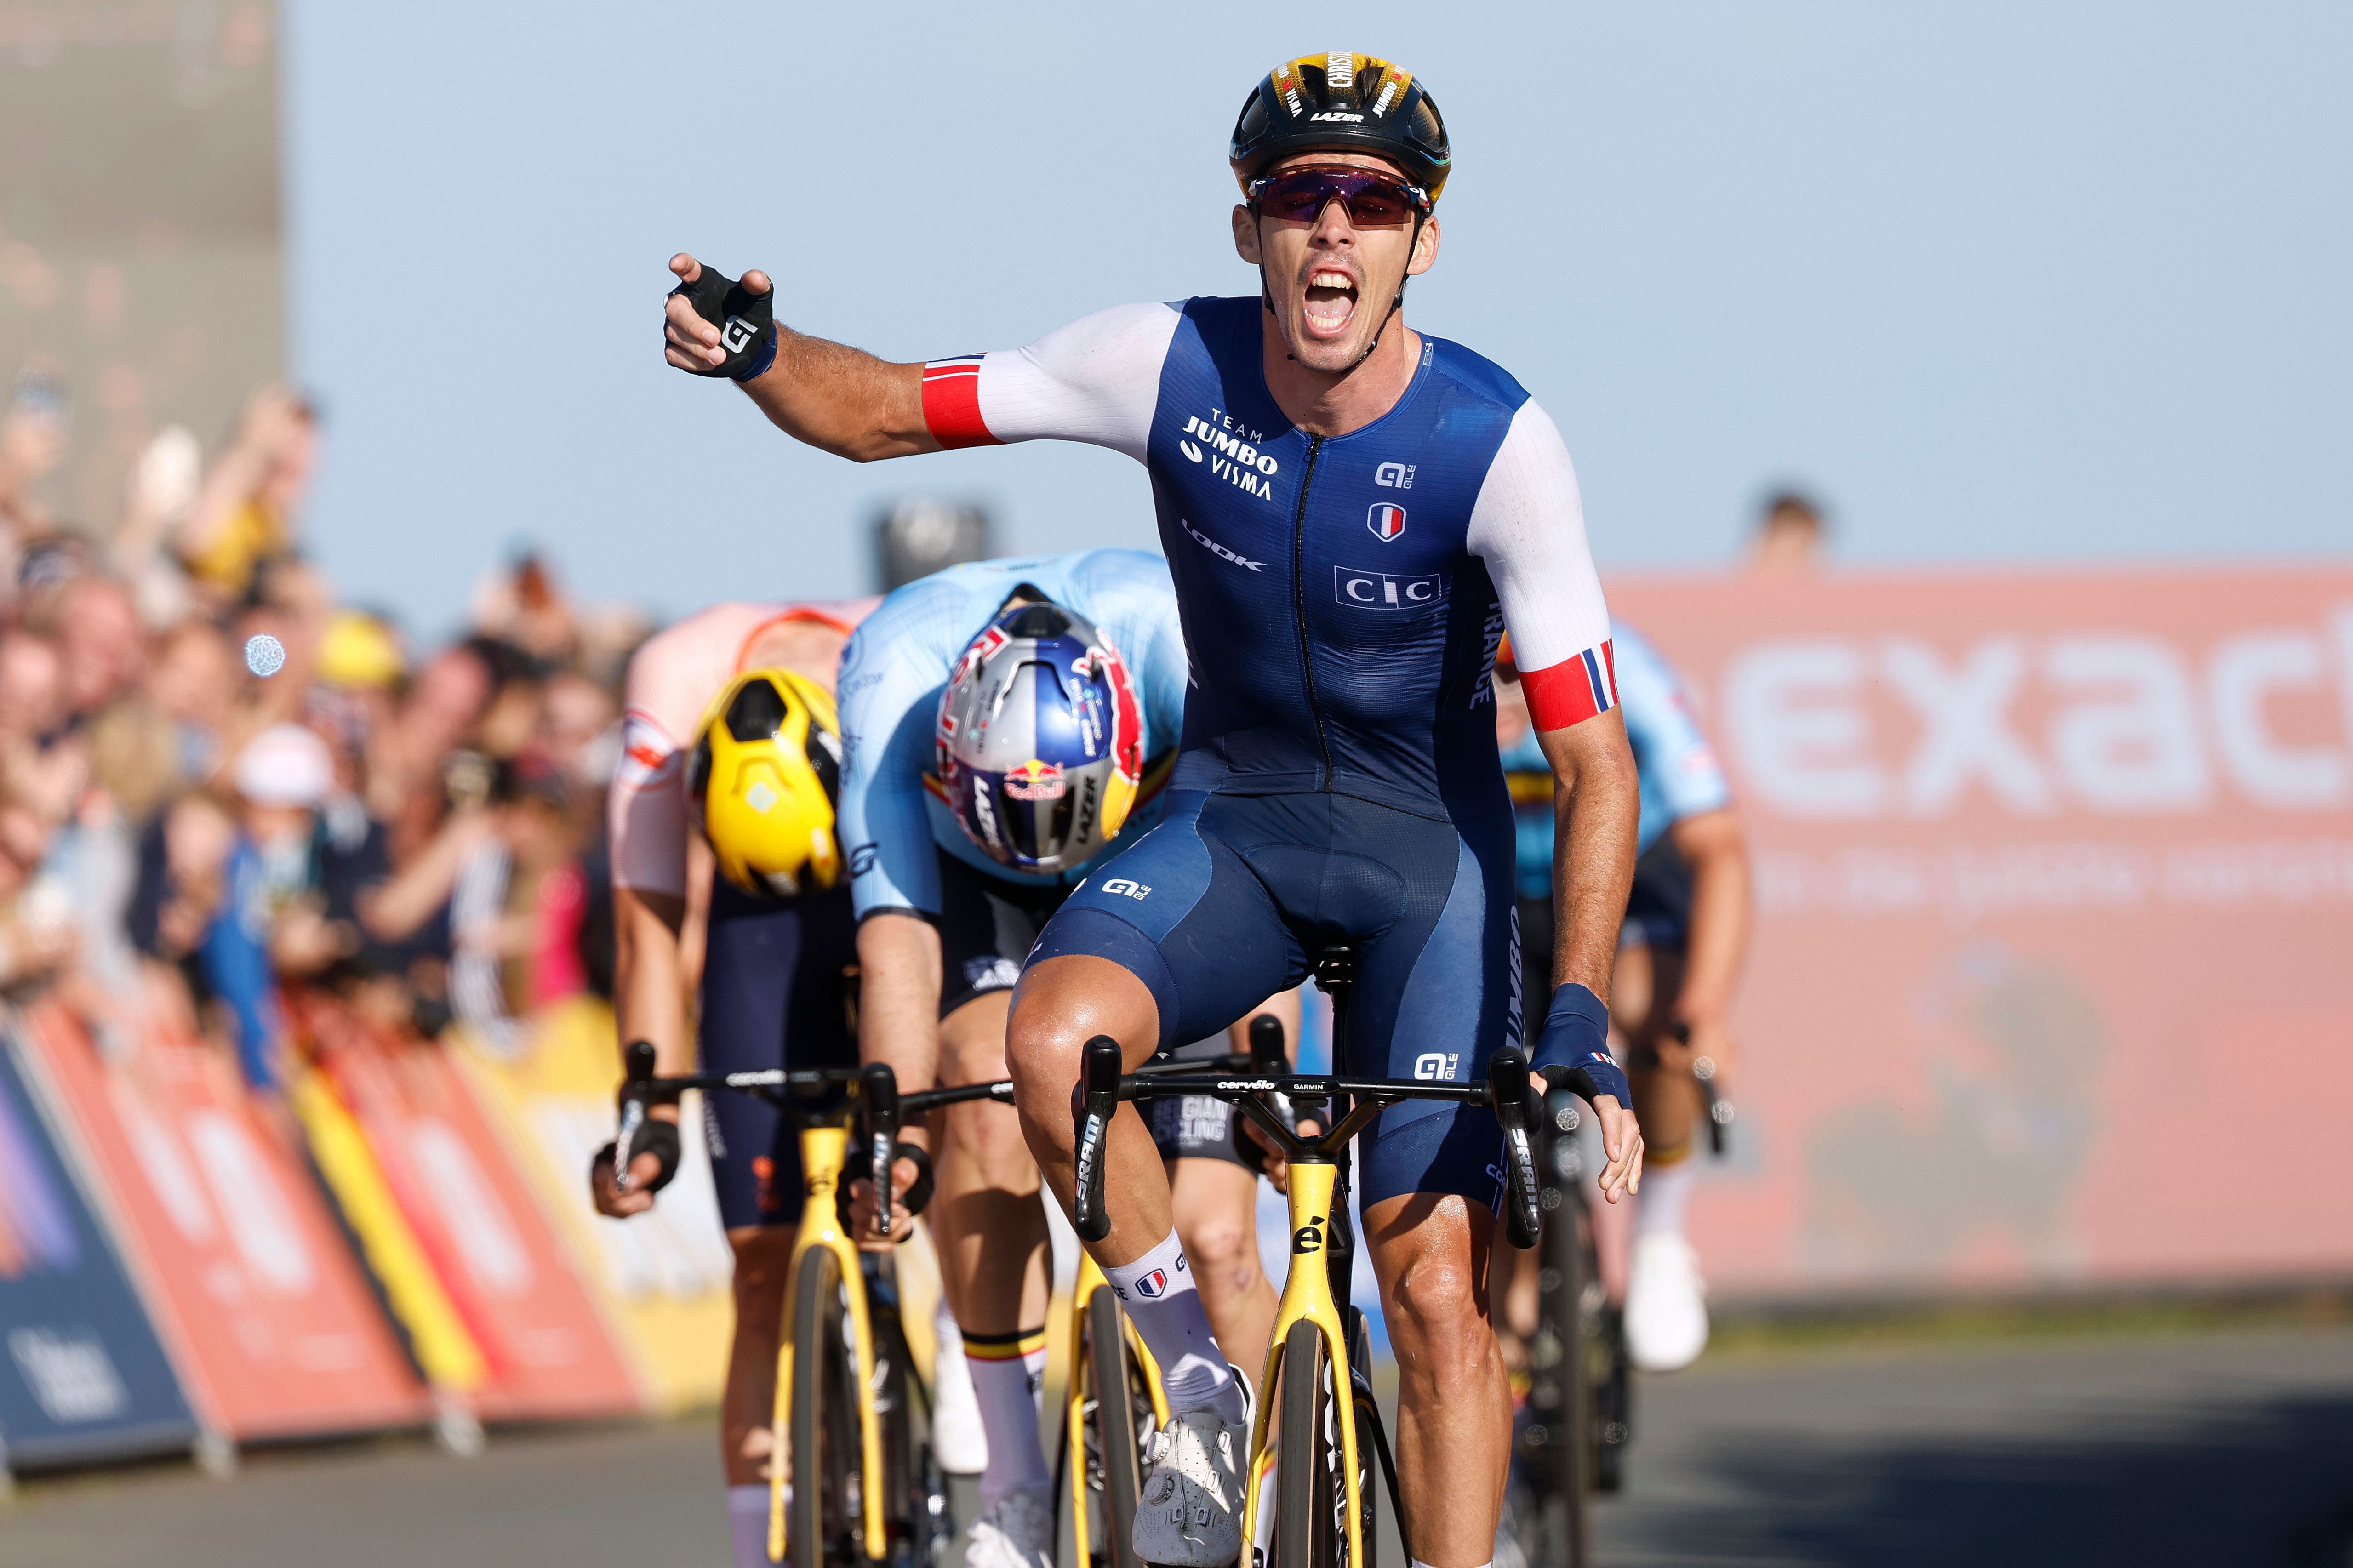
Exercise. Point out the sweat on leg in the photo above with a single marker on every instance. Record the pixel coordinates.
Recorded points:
(1158, 1293)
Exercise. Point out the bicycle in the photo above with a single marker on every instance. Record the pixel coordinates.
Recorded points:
(851, 1413)
(1114, 1386)
(1323, 1513)
(1570, 1439)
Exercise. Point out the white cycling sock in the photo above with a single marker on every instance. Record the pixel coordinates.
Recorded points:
(1007, 1373)
(1157, 1291)
(747, 1517)
(1418, 1562)
(1666, 1193)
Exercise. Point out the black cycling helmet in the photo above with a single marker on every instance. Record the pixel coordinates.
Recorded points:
(1342, 103)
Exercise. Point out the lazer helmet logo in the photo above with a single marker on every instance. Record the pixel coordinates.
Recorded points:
(1387, 520)
(1035, 780)
(1336, 114)
(1153, 1285)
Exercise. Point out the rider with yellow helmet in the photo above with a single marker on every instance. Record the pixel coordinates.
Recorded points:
(730, 739)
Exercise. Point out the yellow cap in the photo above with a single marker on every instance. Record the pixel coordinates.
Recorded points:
(359, 652)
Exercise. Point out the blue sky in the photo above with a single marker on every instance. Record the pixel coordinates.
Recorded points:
(2018, 283)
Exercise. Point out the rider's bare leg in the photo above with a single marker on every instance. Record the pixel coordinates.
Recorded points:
(748, 1409)
(1059, 1005)
(1215, 1212)
(1455, 1403)
(990, 1229)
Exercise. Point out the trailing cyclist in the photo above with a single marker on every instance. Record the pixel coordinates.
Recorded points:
(1353, 515)
(721, 816)
(1005, 722)
(1679, 953)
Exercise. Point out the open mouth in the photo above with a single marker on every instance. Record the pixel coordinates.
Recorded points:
(1331, 302)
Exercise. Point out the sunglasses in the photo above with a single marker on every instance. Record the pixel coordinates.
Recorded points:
(1373, 200)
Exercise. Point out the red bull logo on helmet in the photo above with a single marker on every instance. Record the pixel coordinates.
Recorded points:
(1035, 780)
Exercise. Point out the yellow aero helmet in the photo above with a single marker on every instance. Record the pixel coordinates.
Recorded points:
(766, 770)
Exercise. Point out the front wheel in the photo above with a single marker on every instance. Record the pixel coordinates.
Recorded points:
(1310, 1528)
(1557, 1431)
(1116, 1407)
(825, 1520)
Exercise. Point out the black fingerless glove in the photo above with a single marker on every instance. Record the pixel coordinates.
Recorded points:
(655, 1137)
(746, 323)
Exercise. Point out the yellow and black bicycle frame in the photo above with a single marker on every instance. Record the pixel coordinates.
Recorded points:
(824, 1152)
(1307, 1298)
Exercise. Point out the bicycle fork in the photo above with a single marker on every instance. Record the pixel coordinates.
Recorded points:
(824, 1150)
(1307, 1297)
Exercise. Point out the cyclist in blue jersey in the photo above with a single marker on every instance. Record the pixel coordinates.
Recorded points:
(1005, 724)
(1354, 513)
(1679, 955)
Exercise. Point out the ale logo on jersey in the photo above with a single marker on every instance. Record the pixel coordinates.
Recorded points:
(1387, 520)
(1035, 780)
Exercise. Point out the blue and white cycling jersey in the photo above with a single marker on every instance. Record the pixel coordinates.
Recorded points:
(1337, 780)
(1681, 774)
(891, 820)
(1345, 594)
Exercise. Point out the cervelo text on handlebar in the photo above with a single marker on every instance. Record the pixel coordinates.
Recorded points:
(1102, 1086)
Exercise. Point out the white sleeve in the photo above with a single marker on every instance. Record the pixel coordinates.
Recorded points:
(645, 815)
(1528, 526)
(1096, 380)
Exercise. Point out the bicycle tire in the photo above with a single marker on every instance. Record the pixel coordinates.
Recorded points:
(825, 1451)
(1614, 1400)
(1114, 1381)
(1307, 1464)
(1557, 1440)
(914, 1495)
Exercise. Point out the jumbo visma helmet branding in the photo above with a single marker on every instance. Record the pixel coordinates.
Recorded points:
(766, 771)
(1041, 741)
(1342, 102)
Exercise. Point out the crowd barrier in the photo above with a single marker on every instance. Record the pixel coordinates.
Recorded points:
(85, 1375)
(2054, 876)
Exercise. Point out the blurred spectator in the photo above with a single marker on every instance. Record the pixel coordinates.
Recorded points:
(1790, 535)
(244, 516)
(181, 836)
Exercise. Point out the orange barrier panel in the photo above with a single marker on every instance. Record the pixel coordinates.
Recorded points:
(267, 1317)
(2055, 879)
(543, 1347)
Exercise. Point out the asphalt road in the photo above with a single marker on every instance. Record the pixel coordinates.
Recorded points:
(2216, 1449)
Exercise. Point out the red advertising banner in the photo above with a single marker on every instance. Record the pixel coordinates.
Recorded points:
(2054, 878)
(271, 1324)
(540, 1346)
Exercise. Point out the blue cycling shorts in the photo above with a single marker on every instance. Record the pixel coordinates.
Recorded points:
(1225, 903)
(775, 993)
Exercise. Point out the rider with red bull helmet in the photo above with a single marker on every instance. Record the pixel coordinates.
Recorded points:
(1007, 726)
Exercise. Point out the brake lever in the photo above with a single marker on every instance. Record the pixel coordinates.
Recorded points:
(1507, 1094)
(879, 1088)
(1099, 1101)
(638, 1072)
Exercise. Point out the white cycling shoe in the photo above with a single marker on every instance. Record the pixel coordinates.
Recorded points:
(1189, 1514)
(1016, 1532)
(1666, 1304)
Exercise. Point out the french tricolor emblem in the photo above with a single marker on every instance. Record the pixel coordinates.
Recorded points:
(1153, 1285)
(1386, 519)
(1572, 691)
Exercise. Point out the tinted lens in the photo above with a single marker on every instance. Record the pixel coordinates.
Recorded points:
(1374, 201)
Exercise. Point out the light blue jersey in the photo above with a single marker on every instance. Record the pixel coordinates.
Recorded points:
(892, 822)
(1681, 774)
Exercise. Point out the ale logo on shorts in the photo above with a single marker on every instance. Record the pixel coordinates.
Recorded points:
(1153, 1285)
(1387, 520)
